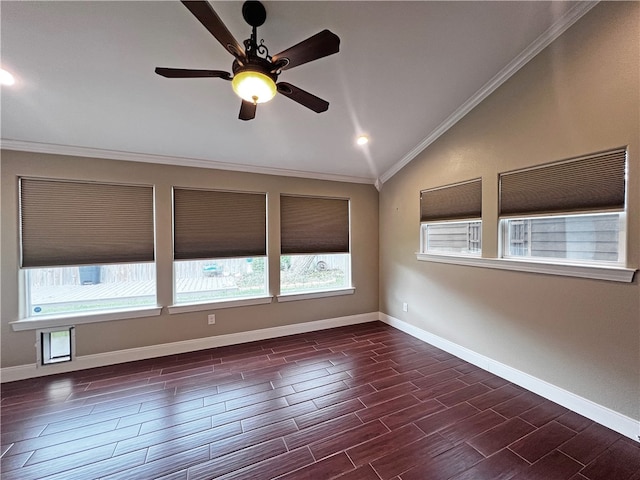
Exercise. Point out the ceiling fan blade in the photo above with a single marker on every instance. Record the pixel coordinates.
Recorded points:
(247, 110)
(188, 73)
(204, 12)
(304, 98)
(320, 45)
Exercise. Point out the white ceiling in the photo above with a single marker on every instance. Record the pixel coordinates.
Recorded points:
(405, 72)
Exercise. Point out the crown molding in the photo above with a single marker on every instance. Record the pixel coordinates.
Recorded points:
(54, 149)
(539, 44)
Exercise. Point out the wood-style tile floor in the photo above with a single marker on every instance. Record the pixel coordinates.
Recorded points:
(364, 402)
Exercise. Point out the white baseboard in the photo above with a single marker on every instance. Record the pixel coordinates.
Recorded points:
(21, 372)
(598, 413)
(605, 416)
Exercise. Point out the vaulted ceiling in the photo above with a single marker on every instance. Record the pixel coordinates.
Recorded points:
(406, 71)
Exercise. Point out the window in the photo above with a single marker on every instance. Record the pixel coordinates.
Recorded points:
(308, 273)
(462, 238)
(581, 238)
(86, 247)
(202, 281)
(314, 242)
(219, 245)
(571, 211)
(450, 219)
(55, 345)
(68, 291)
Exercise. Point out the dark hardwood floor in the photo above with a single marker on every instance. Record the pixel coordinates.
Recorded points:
(364, 402)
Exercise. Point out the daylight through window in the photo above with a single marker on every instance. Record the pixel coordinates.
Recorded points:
(315, 244)
(450, 219)
(571, 211)
(219, 245)
(86, 247)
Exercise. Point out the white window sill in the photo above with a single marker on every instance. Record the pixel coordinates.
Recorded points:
(614, 274)
(200, 307)
(292, 297)
(78, 319)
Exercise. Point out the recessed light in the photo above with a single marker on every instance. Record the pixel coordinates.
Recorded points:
(362, 140)
(6, 78)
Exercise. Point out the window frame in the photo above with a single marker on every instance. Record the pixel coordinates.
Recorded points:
(598, 183)
(226, 302)
(95, 191)
(26, 303)
(214, 303)
(622, 233)
(335, 239)
(424, 247)
(318, 293)
(609, 271)
(459, 203)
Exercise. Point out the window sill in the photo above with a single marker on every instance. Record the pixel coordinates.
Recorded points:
(64, 320)
(292, 297)
(199, 307)
(614, 274)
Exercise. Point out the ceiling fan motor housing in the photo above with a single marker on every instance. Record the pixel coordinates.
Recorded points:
(255, 64)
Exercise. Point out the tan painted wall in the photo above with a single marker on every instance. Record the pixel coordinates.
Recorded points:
(578, 96)
(17, 347)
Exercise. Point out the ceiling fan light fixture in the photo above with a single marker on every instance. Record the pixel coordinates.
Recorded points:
(254, 87)
(254, 70)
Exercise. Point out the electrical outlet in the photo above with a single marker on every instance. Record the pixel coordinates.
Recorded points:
(405, 307)
(211, 319)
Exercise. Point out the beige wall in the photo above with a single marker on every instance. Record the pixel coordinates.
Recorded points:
(578, 96)
(17, 347)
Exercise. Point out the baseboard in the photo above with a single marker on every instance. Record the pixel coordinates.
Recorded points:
(598, 413)
(21, 372)
(605, 416)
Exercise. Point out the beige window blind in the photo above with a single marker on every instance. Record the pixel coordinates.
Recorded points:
(217, 224)
(585, 184)
(452, 202)
(313, 225)
(82, 223)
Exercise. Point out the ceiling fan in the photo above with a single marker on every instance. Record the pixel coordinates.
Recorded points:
(255, 72)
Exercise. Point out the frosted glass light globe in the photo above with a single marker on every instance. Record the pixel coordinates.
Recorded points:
(254, 87)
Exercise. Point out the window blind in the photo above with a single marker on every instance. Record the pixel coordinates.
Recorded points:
(585, 184)
(82, 223)
(218, 224)
(452, 202)
(311, 225)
